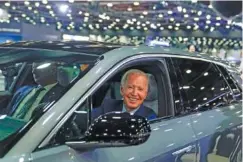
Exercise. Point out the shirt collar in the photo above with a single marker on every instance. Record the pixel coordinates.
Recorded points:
(124, 109)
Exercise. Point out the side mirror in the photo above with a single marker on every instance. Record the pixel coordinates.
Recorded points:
(114, 129)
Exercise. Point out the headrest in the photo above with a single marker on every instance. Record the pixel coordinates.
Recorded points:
(152, 91)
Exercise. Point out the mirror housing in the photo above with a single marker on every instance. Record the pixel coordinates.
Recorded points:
(114, 129)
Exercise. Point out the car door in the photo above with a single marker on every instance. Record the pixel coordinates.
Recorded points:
(172, 138)
(217, 118)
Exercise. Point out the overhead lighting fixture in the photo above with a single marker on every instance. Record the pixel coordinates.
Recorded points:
(227, 26)
(217, 24)
(218, 18)
(212, 29)
(210, 6)
(205, 74)
(184, 10)
(208, 21)
(172, 19)
(202, 88)
(109, 4)
(136, 3)
(26, 3)
(86, 14)
(208, 16)
(188, 27)
(178, 24)
(196, 19)
(143, 25)
(129, 9)
(141, 16)
(29, 8)
(176, 28)
(170, 27)
(158, 24)
(71, 1)
(161, 28)
(188, 71)
(63, 8)
(194, 1)
(117, 20)
(170, 12)
(145, 12)
(7, 4)
(147, 22)
(199, 13)
(44, 1)
(145, 28)
(186, 15)
(48, 6)
(37, 4)
(179, 8)
(160, 15)
(134, 20)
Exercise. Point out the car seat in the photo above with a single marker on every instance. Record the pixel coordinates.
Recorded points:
(151, 100)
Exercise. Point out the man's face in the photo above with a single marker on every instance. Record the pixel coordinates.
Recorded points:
(192, 48)
(135, 90)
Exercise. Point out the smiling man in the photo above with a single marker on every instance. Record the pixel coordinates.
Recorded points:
(134, 90)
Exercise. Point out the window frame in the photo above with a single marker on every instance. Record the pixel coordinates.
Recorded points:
(123, 64)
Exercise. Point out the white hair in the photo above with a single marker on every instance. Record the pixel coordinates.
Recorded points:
(129, 72)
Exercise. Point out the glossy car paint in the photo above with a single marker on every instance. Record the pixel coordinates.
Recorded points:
(178, 139)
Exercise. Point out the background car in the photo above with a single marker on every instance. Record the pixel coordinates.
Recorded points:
(197, 100)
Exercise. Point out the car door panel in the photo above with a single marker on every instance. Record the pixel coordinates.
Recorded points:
(166, 143)
(219, 133)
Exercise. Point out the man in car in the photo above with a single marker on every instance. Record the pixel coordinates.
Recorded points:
(134, 90)
(45, 75)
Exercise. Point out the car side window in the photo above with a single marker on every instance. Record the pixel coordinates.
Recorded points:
(200, 86)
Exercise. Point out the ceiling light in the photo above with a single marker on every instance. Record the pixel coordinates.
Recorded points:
(86, 14)
(44, 1)
(194, 1)
(26, 3)
(218, 18)
(172, 19)
(23, 15)
(212, 88)
(170, 12)
(160, 15)
(138, 27)
(205, 74)
(229, 22)
(129, 9)
(100, 20)
(147, 22)
(145, 12)
(13, 7)
(7, 4)
(145, 28)
(48, 6)
(186, 15)
(227, 26)
(210, 6)
(176, 28)
(35, 11)
(141, 16)
(161, 28)
(179, 8)
(70, 1)
(136, 3)
(143, 25)
(37, 4)
(117, 20)
(188, 71)
(170, 27)
(196, 19)
(134, 20)
(117, 28)
(212, 29)
(29, 8)
(188, 27)
(199, 13)
(202, 88)
(131, 28)
(138, 23)
(63, 8)
(208, 16)
(217, 24)
(109, 4)
(184, 10)
(158, 24)
(178, 24)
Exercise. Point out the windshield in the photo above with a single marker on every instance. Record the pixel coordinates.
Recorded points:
(30, 84)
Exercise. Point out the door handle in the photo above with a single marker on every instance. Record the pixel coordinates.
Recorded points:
(183, 150)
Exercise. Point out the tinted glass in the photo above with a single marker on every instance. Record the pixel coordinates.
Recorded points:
(200, 85)
(7, 76)
(233, 83)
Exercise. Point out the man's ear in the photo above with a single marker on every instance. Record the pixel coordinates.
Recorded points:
(121, 91)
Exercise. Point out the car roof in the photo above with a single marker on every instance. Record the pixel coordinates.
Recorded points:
(94, 49)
